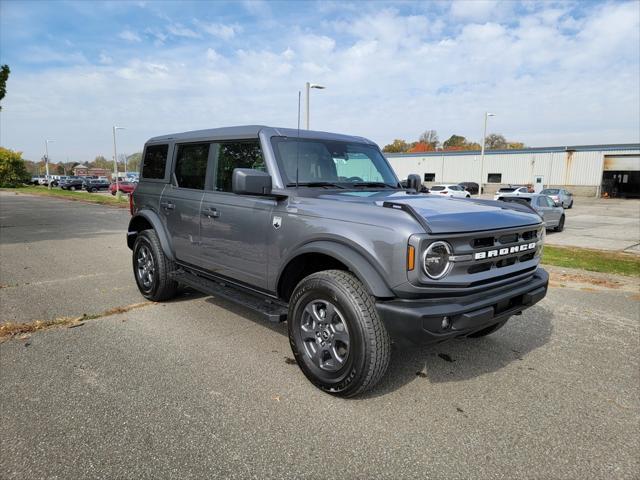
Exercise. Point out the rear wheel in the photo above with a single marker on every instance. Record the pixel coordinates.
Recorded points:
(152, 268)
(336, 336)
(570, 205)
(73, 189)
(560, 226)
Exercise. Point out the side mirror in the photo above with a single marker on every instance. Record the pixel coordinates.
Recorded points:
(414, 182)
(246, 181)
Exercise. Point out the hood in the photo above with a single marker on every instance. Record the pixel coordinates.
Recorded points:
(449, 215)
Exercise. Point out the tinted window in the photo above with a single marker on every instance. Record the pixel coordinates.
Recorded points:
(494, 178)
(236, 155)
(191, 165)
(437, 188)
(155, 160)
(550, 191)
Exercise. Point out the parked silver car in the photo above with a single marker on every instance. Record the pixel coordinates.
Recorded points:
(559, 195)
(551, 212)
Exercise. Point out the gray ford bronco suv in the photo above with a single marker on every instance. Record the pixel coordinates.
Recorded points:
(315, 228)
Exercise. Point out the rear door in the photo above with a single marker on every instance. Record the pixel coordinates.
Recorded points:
(234, 228)
(181, 199)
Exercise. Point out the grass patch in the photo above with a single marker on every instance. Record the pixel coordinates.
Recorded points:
(11, 329)
(592, 260)
(118, 201)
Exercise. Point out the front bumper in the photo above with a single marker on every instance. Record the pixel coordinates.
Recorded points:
(421, 320)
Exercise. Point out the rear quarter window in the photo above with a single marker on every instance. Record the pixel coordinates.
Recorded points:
(155, 161)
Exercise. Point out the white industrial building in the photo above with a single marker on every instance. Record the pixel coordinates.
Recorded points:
(587, 170)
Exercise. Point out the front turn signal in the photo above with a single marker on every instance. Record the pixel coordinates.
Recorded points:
(411, 257)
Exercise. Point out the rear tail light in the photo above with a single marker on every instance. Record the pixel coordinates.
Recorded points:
(444, 192)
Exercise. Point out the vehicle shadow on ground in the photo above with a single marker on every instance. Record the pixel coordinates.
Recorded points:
(466, 358)
(452, 361)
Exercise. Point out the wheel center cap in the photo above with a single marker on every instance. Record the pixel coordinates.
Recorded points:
(325, 334)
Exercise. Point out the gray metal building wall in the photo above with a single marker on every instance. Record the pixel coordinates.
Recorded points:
(578, 168)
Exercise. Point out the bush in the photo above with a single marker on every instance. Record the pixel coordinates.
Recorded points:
(13, 171)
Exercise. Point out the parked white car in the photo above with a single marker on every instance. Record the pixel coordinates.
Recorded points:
(511, 192)
(451, 190)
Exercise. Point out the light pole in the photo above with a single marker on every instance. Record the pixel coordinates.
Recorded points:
(309, 86)
(46, 161)
(484, 140)
(115, 156)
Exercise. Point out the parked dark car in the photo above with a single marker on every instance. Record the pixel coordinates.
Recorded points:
(470, 187)
(95, 185)
(73, 184)
(124, 187)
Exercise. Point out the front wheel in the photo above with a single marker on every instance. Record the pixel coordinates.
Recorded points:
(73, 189)
(336, 336)
(152, 268)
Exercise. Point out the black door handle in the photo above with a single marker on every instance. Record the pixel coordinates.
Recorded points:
(210, 212)
(168, 205)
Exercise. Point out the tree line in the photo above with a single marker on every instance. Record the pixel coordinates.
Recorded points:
(429, 142)
(66, 168)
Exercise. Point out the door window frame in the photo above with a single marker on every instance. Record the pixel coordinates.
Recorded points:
(208, 174)
(214, 165)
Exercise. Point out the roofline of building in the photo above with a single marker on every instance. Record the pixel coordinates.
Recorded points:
(568, 148)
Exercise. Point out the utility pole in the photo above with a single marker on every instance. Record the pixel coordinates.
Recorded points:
(309, 86)
(115, 157)
(484, 141)
(46, 161)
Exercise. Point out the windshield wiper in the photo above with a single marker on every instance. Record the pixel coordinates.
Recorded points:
(374, 184)
(315, 184)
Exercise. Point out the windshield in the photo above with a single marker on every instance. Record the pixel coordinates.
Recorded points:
(330, 162)
(550, 191)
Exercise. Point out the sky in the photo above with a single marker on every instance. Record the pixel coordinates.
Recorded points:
(554, 73)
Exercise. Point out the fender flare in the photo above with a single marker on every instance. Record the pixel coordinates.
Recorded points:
(154, 220)
(355, 261)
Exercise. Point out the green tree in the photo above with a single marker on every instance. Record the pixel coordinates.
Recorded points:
(13, 170)
(398, 146)
(133, 162)
(495, 141)
(4, 76)
(101, 162)
(430, 137)
(60, 170)
(455, 142)
(515, 145)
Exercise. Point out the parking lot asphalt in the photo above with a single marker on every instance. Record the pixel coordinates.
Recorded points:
(603, 224)
(199, 388)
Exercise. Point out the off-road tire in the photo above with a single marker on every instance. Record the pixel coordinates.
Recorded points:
(487, 331)
(560, 226)
(369, 343)
(162, 287)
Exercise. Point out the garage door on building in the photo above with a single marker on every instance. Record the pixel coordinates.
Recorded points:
(621, 176)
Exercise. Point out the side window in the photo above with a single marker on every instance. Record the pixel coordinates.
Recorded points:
(191, 165)
(550, 202)
(154, 162)
(542, 202)
(236, 155)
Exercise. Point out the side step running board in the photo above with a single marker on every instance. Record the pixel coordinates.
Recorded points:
(272, 310)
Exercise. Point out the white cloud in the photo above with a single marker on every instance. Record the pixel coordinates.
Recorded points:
(220, 30)
(388, 76)
(182, 31)
(105, 59)
(129, 36)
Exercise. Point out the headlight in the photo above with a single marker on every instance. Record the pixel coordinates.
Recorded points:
(436, 260)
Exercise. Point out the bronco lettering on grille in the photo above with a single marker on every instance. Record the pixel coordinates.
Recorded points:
(499, 252)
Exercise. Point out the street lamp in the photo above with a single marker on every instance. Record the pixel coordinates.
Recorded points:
(115, 156)
(484, 140)
(46, 161)
(310, 86)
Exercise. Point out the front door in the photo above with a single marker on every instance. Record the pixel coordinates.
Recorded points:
(181, 199)
(235, 229)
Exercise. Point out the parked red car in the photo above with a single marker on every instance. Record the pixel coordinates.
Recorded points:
(124, 187)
